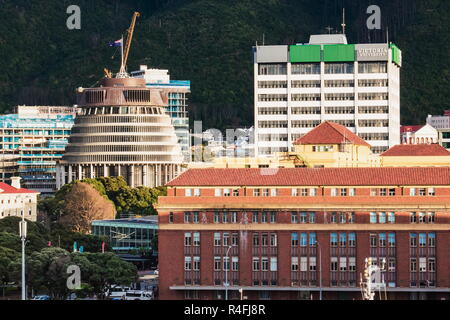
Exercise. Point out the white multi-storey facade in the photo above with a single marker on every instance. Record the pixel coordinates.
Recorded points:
(16, 201)
(299, 86)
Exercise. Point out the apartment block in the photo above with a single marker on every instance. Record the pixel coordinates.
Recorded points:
(297, 87)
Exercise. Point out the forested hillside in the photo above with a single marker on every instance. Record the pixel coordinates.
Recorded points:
(210, 43)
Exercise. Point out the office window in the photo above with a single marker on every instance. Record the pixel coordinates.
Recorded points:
(294, 263)
(264, 264)
(273, 192)
(312, 239)
(413, 217)
(171, 217)
(422, 239)
(431, 217)
(382, 238)
(196, 263)
(373, 240)
(273, 239)
(305, 68)
(303, 263)
(273, 217)
(432, 264)
(187, 239)
(187, 217)
(422, 191)
(391, 217)
(303, 239)
(294, 192)
(264, 217)
(343, 217)
(352, 264)
(304, 192)
(342, 264)
(294, 239)
(312, 192)
(373, 217)
(392, 191)
(256, 192)
(226, 192)
(391, 265)
(217, 192)
(333, 192)
(273, 264)
(352, 192)
(412, 192)
(421, 217)
(265, 192)
(391, 239)
(196, 237)
(432, 239)
(343, 192)
(342, 239)
(234, 239)
(226, 263)
(334, 217)
(197, 192)
(217, 263)
(303, 217)
(234, 215)
(294, 217)
(351, 217)
(255, 264)
(312, 264)
(352, 239)
(413, 264)
(264, 239)
(272, 68)
(413, 240)
(382, 217)
(188, 193)
(187, 263)
(235, 192)
(195, 217)
(255, 239)
(383, 192)
(216, 217)
(333, 239)
(226, 239)
(373, 192)
(334, 264)
(234, 263)
(431, 192)
(422, 264)
(217, 239)
(255, 217)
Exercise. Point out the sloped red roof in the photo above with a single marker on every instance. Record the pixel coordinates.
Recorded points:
(416, 150)
(410, 128)
(6, 188)
(314, 176)
(330, 133)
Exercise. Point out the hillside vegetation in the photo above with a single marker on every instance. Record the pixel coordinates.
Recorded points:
(210, 43)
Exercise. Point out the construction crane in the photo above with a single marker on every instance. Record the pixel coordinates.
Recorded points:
(126, 49)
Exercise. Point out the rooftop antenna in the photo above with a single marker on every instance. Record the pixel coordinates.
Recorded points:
(387, 35)
(343, 21)
(329, 29)
(263, 38)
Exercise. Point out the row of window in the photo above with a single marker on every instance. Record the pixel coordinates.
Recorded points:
(264, 264)
(422, 239)
(317, 110)
(328, 96)
(314, 68)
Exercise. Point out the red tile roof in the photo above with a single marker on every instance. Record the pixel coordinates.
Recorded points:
(314, 177)
(6, 188)
(416, 150)
(330, 133)
(410, 128)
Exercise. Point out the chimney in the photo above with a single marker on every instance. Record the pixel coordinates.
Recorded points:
(15, 182)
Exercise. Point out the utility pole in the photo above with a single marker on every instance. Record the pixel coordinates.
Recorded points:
(23, 237)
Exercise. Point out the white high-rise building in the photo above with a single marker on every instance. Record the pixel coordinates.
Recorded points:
(299, 86)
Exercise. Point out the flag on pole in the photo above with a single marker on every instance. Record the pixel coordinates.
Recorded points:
(117, 43)
(103, 247)
(75, 246)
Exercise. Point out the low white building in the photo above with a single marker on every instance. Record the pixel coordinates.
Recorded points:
(16, 201)
(440, 122)
(419, 134)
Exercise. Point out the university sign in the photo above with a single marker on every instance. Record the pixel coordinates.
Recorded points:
(371, 52)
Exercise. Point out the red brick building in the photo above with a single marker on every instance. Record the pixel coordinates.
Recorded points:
(293, 233)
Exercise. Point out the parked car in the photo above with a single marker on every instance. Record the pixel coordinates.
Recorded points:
(41, 297)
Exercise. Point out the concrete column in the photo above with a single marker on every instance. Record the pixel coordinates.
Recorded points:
(58, 177)
(80, 174)
(70, 178)
(118, 170)
(145, 175)
(132, 176)
(105, 170)
(91, 171)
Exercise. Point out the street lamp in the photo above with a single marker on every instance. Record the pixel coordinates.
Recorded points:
(23, 237)
(226, 273)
